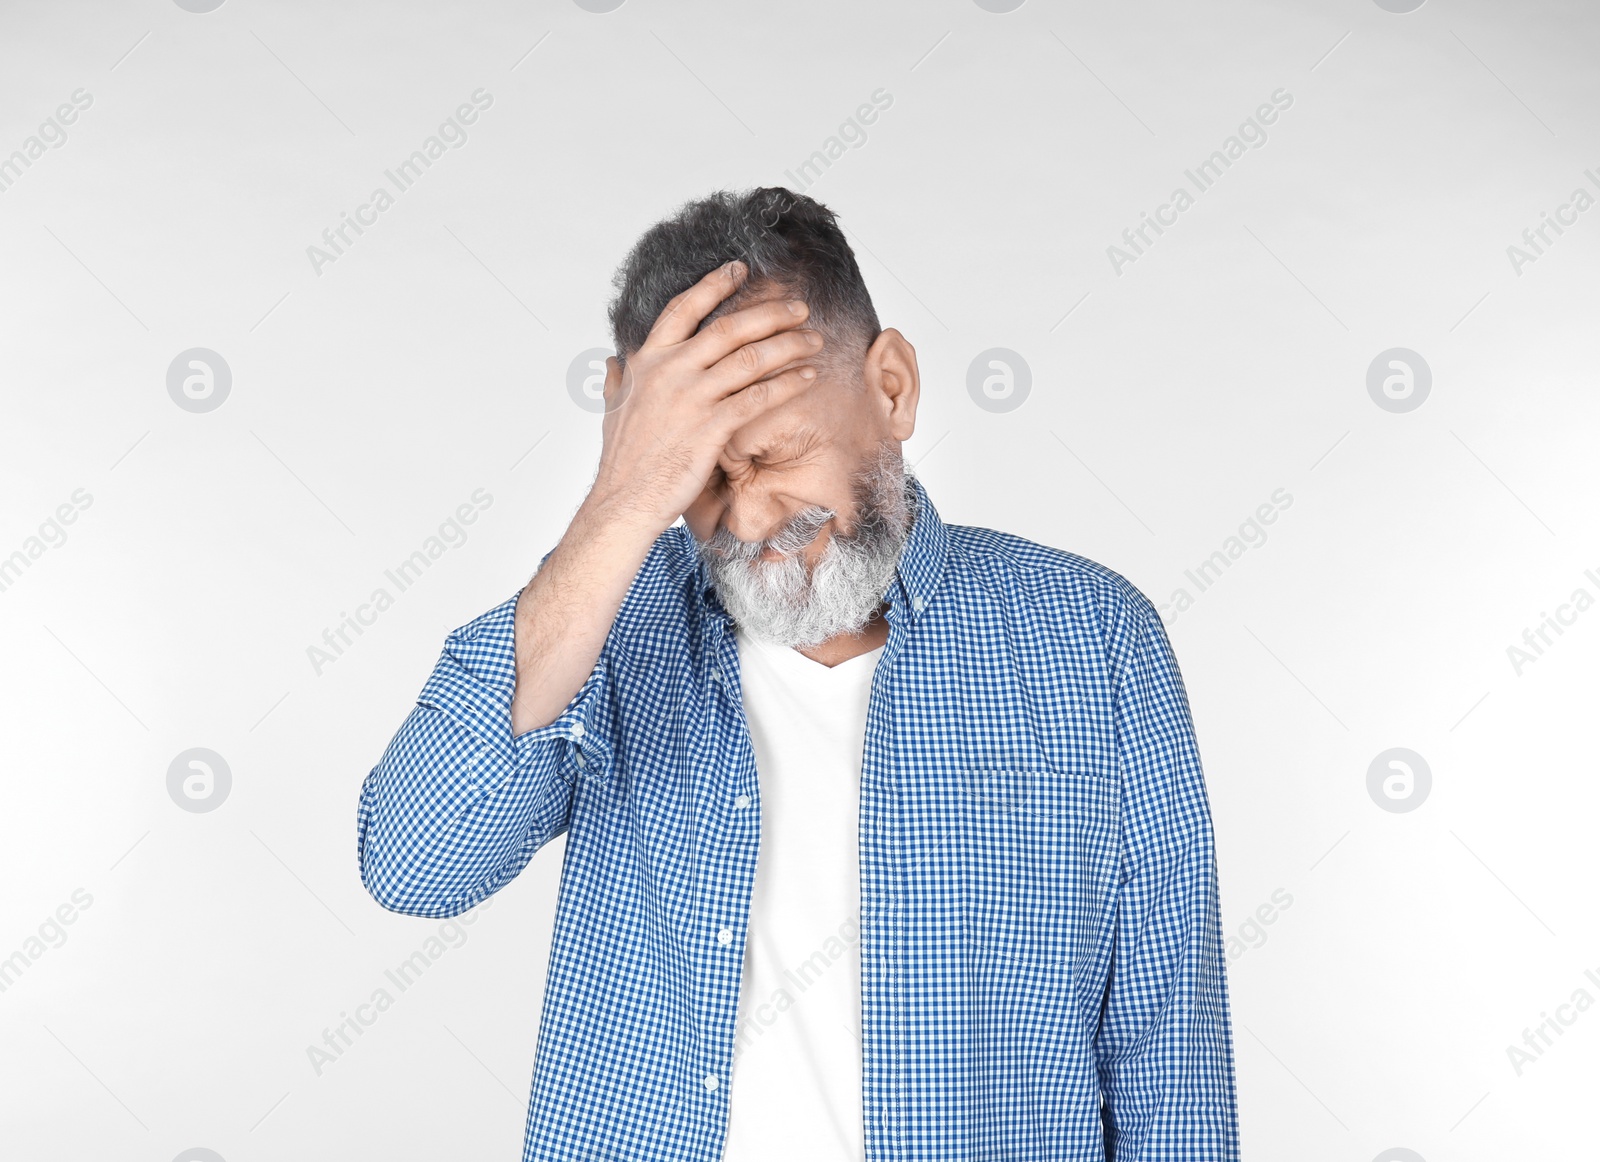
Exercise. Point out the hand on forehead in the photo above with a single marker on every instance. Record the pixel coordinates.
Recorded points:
(797, 426)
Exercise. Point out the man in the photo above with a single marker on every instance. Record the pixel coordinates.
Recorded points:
(886, 838)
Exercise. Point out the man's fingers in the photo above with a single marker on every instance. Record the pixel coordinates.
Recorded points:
(756, 361)
(763, 396)
(727, 333)
(683, 313)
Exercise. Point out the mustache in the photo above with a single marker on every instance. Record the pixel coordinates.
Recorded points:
(800, 530)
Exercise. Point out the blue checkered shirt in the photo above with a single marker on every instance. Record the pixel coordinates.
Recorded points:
(1040, 944)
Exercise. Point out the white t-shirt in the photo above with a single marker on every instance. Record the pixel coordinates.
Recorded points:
(796, 1079)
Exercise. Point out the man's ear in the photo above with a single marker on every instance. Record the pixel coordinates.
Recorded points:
(890, 373)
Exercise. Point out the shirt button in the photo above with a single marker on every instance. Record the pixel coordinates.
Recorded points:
(725, 936)
(710, 1082)
(578, 758)
(577, 730)
(742, 801)
(918, 604)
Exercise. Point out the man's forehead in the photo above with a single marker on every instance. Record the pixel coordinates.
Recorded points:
(789, 430)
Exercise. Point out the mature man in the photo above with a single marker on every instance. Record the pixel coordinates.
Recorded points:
(886, 838)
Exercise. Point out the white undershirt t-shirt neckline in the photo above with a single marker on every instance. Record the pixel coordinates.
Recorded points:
(795, 1087)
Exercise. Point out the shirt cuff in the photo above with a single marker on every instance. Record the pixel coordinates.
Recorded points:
(581, 726)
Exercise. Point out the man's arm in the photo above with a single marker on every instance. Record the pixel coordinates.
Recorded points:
(1164, 1046)
(480, 775)
(459, 804)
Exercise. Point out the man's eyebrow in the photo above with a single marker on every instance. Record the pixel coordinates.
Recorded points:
(788, 444)
(791, 443)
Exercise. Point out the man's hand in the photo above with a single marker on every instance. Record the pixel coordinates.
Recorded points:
(668, 418)
(686, 391)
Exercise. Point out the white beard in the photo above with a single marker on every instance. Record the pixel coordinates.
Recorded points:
(779, 603)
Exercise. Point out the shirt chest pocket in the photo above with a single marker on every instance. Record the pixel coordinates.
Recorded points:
(1038, 862)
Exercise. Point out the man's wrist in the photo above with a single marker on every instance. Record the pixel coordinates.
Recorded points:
(615, 513)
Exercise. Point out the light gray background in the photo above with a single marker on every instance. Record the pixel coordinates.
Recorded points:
(1168, 402)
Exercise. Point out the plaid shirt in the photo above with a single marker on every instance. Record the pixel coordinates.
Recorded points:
(1040, 934)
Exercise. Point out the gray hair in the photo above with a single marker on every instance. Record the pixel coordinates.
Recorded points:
(791, 243)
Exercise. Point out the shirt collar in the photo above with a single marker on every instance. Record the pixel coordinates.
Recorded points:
(917, 576)
(922, 560)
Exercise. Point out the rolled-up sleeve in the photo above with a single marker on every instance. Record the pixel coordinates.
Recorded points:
(458, 805)
(1164, 1047)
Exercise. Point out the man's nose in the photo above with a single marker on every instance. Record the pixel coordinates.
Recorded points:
(753, 518)
(756, 534)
